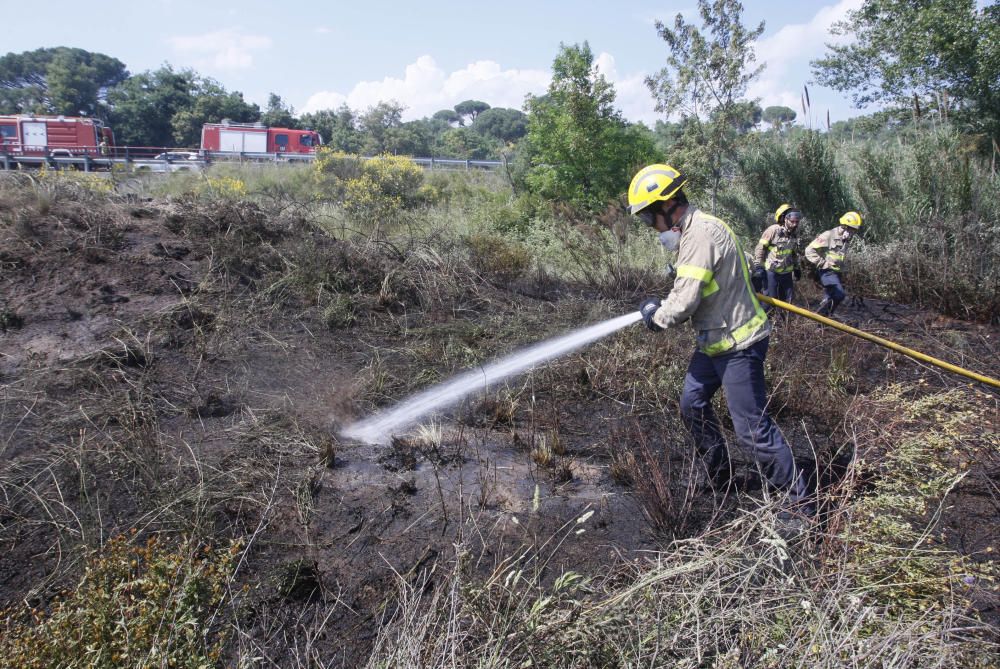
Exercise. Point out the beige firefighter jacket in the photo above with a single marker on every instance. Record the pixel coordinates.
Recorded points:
(712, 288)
(828, 250)
(777, 250)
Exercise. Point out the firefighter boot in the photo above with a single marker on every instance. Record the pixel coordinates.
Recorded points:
(826, 307)
(720, 480)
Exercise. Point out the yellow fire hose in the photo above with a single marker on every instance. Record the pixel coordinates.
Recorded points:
(881, 342)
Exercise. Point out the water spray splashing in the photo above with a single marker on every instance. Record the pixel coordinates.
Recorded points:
(380, 427)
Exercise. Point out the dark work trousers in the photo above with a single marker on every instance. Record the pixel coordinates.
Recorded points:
(742, 375)
(834, 290)
(780, 286)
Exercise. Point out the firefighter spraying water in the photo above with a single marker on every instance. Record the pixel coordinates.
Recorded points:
(713, 291)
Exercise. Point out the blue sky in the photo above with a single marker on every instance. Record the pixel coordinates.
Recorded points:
(427, 55)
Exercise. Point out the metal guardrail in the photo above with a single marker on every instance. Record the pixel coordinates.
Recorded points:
(166, 159)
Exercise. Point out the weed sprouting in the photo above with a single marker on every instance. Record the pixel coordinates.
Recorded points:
(340, 313)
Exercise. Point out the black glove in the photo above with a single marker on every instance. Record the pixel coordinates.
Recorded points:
(758, 279)
(797, 273)
(647, 309)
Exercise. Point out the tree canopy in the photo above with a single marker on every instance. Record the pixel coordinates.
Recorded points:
(938, 54)
(211, 104)
(167, 107)
(470, 108)
(579, 148)
(778, 116)
(338, 128)
(504, 125)
(449, 116)
(278, 114)
(58, 80)
(704, 82)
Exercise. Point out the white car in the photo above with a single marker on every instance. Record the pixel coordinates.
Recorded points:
(172, 161)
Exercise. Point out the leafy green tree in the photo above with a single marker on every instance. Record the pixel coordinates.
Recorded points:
(704, 81)
(338, 128)
(143, 106)
(448, 116)
(504, 125)
(779, 117)
(745, 116)
(59, 80)
(413, 138)
(278, 114)
(377, 124)
(942, 54)
(466, 143)
(211, 103)
(578, 147)
(168, 107)
(470, 108)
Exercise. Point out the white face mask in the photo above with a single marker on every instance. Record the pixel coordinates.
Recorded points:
(670, 239)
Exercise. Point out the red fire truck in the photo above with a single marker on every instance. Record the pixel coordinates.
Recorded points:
(30, 135)
(229, 137)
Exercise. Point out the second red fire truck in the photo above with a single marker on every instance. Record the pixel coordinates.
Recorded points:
(249, 138)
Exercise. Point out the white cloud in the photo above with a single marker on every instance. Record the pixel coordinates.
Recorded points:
(632, 97)
(323, 30)
(226, 49)
(425, 88)
(788, 52)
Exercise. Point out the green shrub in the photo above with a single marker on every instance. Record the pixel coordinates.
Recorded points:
(497, 256)
(337, 164)
(802, 170)
(136, 606)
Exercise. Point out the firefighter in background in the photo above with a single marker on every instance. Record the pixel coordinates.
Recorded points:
(713, 290)
(828, 252)
(776, 255)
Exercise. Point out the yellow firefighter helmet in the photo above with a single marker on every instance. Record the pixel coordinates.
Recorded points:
(653, 183)
(851, 219)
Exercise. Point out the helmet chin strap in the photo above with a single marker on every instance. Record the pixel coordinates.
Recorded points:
(669, 213)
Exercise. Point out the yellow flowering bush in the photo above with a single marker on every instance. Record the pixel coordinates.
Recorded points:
(229, 188)
(373, 189)
(94, 183)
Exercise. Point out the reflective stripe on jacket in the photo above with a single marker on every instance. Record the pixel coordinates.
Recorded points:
(777, 250)
(712, 288)
(828, 250)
